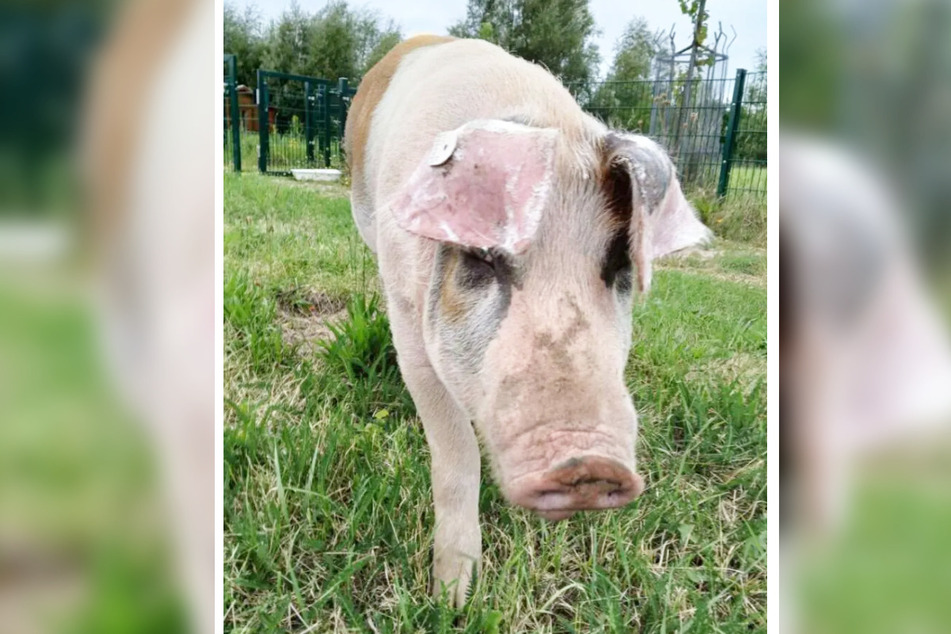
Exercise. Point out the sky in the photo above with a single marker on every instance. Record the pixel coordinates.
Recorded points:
(748, 17)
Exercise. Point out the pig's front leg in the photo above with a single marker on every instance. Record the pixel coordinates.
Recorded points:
(455, 475)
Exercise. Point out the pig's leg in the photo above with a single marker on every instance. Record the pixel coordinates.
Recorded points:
(455, 467)
(455, 475)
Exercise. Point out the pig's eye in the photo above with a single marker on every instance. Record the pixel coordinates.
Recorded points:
(480, 266)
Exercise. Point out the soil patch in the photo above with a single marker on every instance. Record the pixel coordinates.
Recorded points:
(304, 317)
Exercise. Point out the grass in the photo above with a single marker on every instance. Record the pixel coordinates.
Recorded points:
(287, 151)
(328, 512)
(746, 178)
(84, 545)
(887, 568)
(740, 215)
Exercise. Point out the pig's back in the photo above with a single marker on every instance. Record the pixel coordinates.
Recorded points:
(438, 84)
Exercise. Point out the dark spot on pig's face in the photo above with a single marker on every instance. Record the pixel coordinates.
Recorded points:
(653, 173)
(468, 299)
(616, 269)
(617, 188)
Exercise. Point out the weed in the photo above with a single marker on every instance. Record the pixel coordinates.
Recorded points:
(360, 354)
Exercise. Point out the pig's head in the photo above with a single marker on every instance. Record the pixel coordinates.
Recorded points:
(542, 244)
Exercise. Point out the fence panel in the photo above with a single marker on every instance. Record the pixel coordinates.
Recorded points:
(694, 132)
(232, 136)
(718, 143)
(300, 121)
(747, 169)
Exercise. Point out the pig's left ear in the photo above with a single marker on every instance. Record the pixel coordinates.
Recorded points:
(482, 185)
(642, 188)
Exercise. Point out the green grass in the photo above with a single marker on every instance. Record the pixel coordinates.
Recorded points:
(747, 178)
(84, 544)
(328, 511)
(887, 569)
(287, 151)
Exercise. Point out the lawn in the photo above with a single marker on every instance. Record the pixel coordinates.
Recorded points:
(84, 544)
(328, 516)
(748, 177)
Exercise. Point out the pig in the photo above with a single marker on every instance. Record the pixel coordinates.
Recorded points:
(147, 173)
(865, 358)
(512, 232)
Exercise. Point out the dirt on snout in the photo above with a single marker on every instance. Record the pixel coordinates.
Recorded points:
(304, 316)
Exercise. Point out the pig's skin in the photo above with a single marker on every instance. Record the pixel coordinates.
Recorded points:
(150, 223)
(530, 342)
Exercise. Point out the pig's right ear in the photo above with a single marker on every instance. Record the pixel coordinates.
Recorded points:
(642, 188)
(483, 185)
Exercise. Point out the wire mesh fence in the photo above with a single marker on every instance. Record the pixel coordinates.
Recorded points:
(714, 128)
(748, 169)
(692, 120)
(232, 136)
(300, 121)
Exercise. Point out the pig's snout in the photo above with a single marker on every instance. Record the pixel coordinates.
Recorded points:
(584, 483)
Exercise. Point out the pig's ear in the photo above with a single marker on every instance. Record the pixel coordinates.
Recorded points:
(642, 186)
(483, 185)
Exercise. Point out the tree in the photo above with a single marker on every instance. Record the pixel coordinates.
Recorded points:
(624, 100)
(751, 141)
(696, 11)
(554, 33)
(635, 51)
(336, 41)
(287, 41)
(244, 38)
(346, 42)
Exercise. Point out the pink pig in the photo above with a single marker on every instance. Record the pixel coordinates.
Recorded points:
(512, 231)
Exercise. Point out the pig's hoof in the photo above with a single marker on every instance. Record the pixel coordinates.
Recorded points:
(454, 576)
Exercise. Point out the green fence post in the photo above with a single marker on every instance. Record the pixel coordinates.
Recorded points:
(235, 113)
(263, 126)
(342, 91)
(309, 121)
(325, 141)
(729, 143)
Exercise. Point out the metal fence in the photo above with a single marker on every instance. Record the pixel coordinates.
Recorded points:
(232, 138)
(287, 122)
(714, 129)
(301, 121)
(745, 144)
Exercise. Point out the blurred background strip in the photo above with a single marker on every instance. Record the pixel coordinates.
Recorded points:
(865, 167)
(106, 317)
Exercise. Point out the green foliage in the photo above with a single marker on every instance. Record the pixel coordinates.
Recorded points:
(360, 360)
(691, 9)
(557, 34)
(634, 52)
(741, 214)
(336, 41)
(244, 38)
(624, 100)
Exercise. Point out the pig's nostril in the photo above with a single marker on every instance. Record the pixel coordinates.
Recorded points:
(585, 483)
